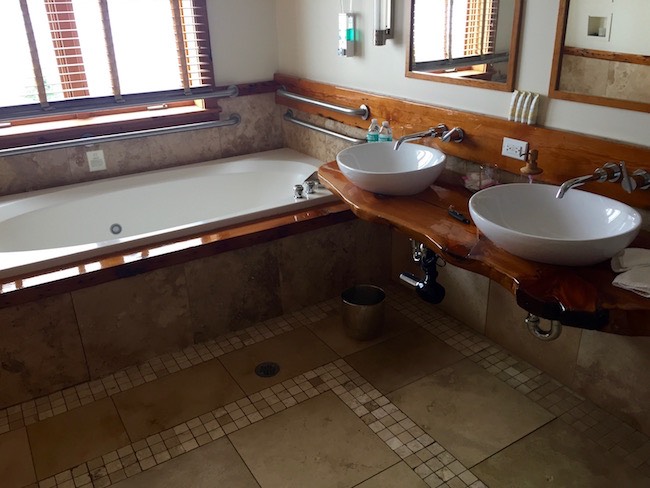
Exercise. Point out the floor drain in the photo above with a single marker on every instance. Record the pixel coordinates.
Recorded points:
(267, 369)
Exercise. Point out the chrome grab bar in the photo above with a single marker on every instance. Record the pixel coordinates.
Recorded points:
(288, 116)
(234, 119)
(363, 111)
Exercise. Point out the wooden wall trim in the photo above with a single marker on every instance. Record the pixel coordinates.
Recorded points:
(562, 154)
(607, 55)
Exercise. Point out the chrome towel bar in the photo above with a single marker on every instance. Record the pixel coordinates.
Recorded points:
(290, 118)
(363, 111)
(234, 119)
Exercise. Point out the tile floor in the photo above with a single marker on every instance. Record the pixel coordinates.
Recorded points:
(429, 403)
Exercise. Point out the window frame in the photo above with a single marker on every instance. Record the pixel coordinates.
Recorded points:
(25, 125)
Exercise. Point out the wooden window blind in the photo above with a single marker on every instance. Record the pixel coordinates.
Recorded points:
(481, 27)
(72, 56)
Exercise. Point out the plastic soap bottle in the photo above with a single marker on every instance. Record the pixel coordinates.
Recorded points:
(385, 133)
(373, 131)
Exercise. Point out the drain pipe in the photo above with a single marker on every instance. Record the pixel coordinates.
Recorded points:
(428, 289)
(532, 322)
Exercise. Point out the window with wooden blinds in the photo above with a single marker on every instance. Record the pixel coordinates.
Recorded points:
(481, 27)
(455, 34)
(72, 57)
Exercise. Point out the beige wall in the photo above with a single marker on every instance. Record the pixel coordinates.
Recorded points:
(244, 40)
(307, 34)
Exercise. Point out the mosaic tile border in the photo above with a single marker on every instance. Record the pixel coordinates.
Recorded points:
(603, 428)
(436, 466)
(26, 413)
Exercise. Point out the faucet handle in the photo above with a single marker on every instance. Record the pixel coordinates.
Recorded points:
(627, 183)
(438, 131)
(641, 179)
(609, 172)
(456, 135)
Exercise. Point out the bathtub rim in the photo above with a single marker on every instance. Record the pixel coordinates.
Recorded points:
(89, 253)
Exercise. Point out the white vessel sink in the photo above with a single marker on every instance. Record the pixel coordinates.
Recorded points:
(378, 168)
(528, 221)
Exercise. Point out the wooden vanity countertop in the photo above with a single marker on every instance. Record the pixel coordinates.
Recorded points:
(581, 293)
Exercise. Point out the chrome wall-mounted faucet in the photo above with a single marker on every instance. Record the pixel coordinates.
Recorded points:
(441, 130)
(612, 172)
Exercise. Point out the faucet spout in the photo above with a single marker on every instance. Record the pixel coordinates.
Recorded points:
(437, 131)
(573, 182)
(609, 172)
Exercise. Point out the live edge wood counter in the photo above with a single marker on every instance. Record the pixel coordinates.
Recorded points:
(577, 296)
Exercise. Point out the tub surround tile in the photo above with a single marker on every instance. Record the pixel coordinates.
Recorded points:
(74, 437)
(401, 360)
(122, 158)
(306, 141)
(319, 443)
(296, 352)
(557, 455)
(180, 148)
(215, 464)
(259, 131)
(316, 265)
(330, 330)
(35, 171)
(320, 264)
(153, 407)
(614, 372)
(258, 127)
(127, 321)
(629, 81)
(584, 75)
(316, 144)
(470, 412)
(233, 290)
(16, 468)
(41, 349)
(505, 325)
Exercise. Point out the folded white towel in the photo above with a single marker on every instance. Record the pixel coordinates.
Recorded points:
(630, 258)
(636, 280)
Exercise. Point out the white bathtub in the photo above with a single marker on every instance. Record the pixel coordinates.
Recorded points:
(48, 228)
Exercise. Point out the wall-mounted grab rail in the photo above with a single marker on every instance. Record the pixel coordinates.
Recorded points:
(363, 111)
(234, 119)
(290, 118)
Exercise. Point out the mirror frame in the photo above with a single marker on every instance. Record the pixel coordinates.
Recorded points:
(556, 71)
(513, 59)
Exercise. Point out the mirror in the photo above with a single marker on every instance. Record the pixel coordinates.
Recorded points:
(467, 42)
(602, 53)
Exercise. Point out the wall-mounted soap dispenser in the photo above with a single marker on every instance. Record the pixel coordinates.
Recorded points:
(347, 34)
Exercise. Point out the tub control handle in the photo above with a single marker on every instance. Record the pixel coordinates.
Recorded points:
(298, 192)
(310, 186)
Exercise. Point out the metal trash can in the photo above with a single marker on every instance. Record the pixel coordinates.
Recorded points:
(363, 311)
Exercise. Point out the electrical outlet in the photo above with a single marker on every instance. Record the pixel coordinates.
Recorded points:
(96, 161)
(515, 149)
